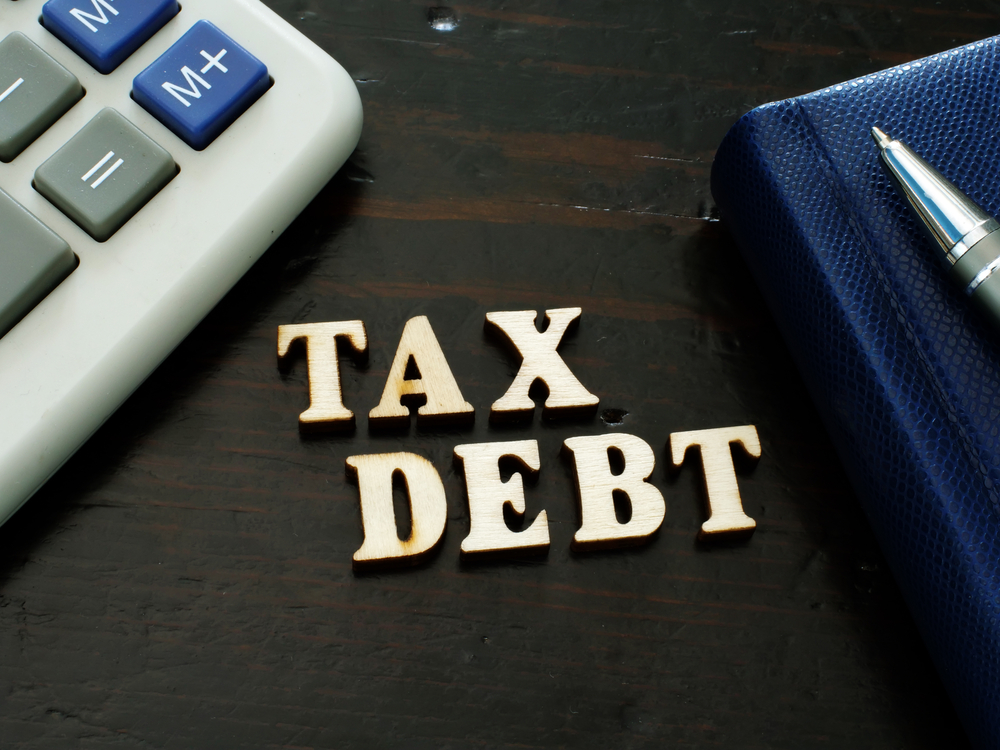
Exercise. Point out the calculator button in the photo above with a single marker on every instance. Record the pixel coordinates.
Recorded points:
(33, 260)
(201, 85)
(105, 174)
(35, 91)
(106, 32)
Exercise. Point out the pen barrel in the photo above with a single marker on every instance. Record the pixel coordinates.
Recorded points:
(978, 273)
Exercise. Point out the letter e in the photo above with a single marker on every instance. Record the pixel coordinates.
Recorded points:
(488, 532)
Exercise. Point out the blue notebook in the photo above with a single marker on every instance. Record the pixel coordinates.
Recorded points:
(905, 373)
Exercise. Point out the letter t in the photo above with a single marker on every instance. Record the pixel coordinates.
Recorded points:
(326, 400)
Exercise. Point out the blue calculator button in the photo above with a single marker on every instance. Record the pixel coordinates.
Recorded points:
(106, 32)
(201, 85)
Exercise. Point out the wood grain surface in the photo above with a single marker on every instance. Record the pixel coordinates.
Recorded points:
(186, 580)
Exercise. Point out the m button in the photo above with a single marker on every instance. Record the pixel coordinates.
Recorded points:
(106, 32)
(201, 85)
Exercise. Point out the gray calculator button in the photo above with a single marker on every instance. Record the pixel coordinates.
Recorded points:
(35, 91)
(105, 174)
(33, 260)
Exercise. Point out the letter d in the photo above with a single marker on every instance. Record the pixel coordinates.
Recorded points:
(428, 508)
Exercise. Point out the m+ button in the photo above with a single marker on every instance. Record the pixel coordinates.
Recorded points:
(201, 85)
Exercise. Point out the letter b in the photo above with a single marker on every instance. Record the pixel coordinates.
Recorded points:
(597, 483)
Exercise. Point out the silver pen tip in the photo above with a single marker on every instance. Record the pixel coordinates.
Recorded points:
(881, 138)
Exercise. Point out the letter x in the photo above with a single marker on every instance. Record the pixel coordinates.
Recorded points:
(541, 361)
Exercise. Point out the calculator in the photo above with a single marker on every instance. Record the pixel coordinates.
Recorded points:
(150, 152)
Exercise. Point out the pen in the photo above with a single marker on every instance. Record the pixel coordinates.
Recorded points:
(965, 234)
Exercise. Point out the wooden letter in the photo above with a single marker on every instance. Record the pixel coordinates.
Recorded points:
(443, 398)
(326, 400)
(540, 361)
(488, 532)
(428, 508)
(596, 485)
(725, 508)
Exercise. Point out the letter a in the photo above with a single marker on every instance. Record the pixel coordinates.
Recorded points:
(597, 484)
(326, 399)
(540, 361)
(436, 383)
(725, 507)
(428, 508)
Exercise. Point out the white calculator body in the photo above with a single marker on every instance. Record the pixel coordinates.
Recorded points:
(162, 209)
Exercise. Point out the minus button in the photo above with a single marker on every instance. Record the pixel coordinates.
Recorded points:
(12, 89)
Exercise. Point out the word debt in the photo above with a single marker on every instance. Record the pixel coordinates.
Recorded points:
(604, 466)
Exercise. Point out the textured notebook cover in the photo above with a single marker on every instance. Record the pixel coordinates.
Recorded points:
(905, 373)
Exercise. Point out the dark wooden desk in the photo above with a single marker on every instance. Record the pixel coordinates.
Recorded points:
(185, 581)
